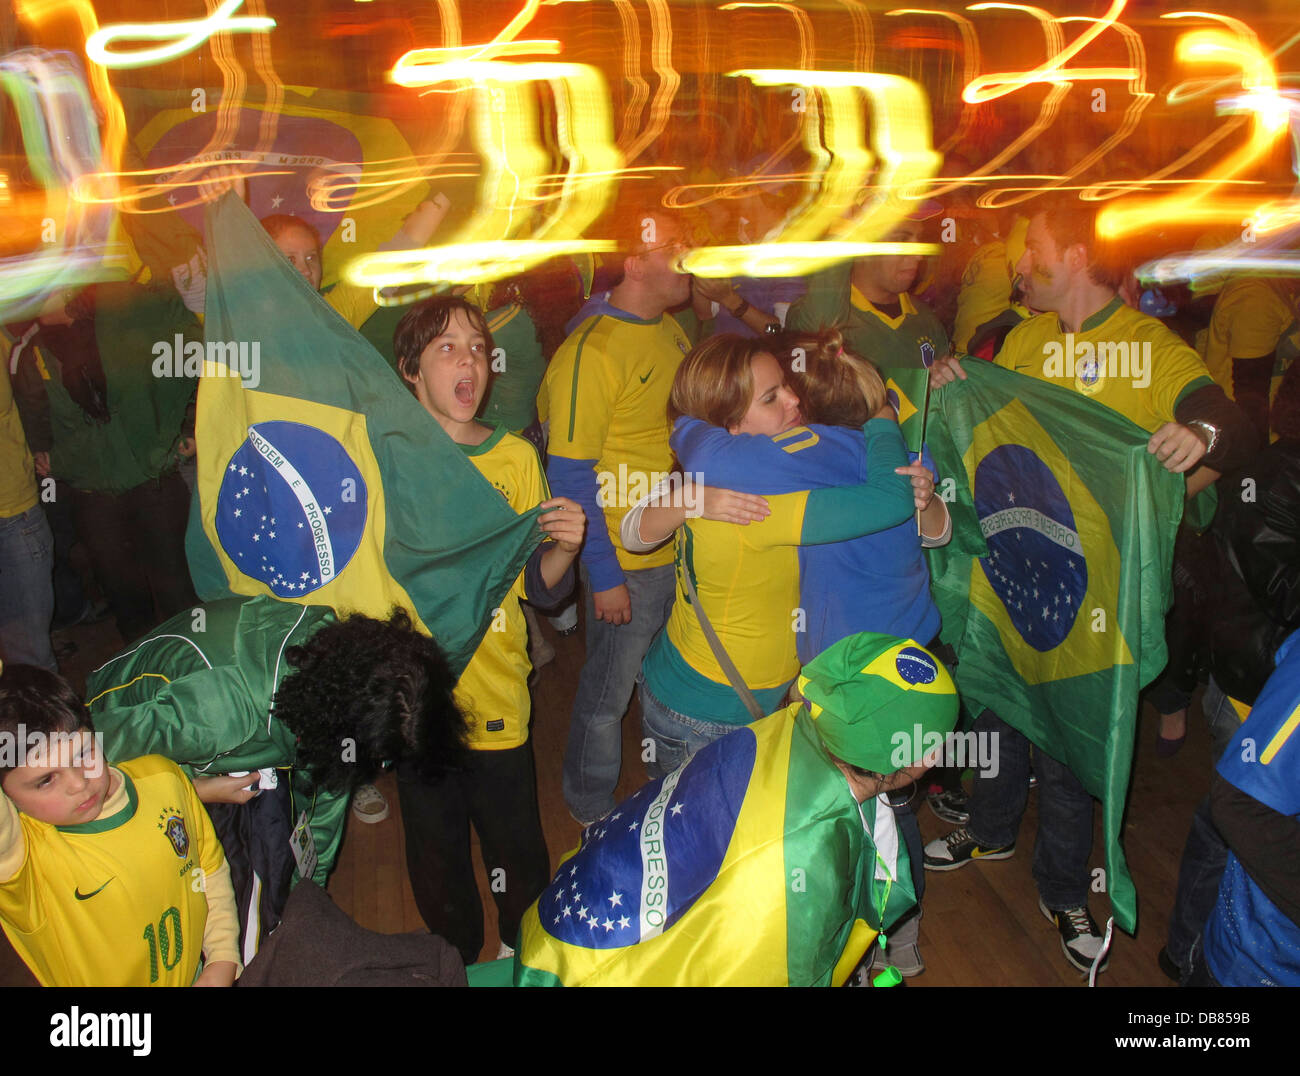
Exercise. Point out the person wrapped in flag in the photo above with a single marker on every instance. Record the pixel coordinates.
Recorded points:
(771, 858)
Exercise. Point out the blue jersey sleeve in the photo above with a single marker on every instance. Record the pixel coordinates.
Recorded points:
(576, 479)
(807, 457)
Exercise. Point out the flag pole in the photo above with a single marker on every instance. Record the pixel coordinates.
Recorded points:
(925, 414)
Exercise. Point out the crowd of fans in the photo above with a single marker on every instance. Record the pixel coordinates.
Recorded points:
(810, 504)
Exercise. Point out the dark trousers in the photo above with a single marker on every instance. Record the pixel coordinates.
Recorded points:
(497, 793)
(136, 542)
(69, 595)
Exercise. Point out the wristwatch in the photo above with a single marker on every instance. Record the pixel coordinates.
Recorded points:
(1209, 432)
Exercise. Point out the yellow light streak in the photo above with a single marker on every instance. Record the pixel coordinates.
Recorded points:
(1005, 196)
(503, 238)
(1053, 70)
(1270, 121)
(185, 36)
(1047, 111)
(970, 65)
(900, 129)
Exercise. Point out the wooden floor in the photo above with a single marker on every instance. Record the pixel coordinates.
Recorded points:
(981, 926)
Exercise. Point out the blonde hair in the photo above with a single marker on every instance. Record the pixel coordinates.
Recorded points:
(834, 386)
(715, 382)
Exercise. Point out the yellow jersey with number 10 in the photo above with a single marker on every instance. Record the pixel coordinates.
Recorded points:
(118, 901)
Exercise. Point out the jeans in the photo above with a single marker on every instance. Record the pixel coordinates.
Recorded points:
(594, 755)
(675, 736)
(1064, 840)
(26, 589)
(496, 792)
(1204, 855)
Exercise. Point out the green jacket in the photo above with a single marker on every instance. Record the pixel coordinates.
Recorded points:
(915, 338)
(146, 412)
(198, 689)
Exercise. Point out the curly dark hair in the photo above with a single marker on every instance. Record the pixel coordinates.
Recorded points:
(365, 692)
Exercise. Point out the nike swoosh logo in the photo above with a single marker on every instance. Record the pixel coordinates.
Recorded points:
(86, 896)
(647, 376)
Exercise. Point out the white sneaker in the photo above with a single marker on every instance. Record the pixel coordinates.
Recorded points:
(369, 805)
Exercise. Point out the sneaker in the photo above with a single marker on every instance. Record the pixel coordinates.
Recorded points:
(369, 805)
(959, 848)
(565, 622)
(1081, 939)
(1167, 965)
(950, 806)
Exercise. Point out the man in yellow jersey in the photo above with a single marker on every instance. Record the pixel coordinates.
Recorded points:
(26, 544)
(605, 396)
(1087, 340)
(109, 875)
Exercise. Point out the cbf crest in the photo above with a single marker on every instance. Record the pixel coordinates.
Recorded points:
(173, 827)
(1088, 375)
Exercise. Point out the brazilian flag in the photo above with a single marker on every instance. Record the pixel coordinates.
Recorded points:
(1055, 587)
(750, 865)
(321, 480)
(905, 387)
(326, 157)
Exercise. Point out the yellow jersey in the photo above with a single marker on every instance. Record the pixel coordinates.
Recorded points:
(120, 900)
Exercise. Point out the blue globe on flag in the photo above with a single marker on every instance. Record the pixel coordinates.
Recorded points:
(644, 865)
(292, 508)
(1035, 564)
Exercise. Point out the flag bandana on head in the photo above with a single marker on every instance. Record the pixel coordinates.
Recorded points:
(1055, 586)
(320, 478)
(751, 865)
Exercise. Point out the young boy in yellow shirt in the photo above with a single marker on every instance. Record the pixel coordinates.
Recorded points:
(109, 875)
(442, 348)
